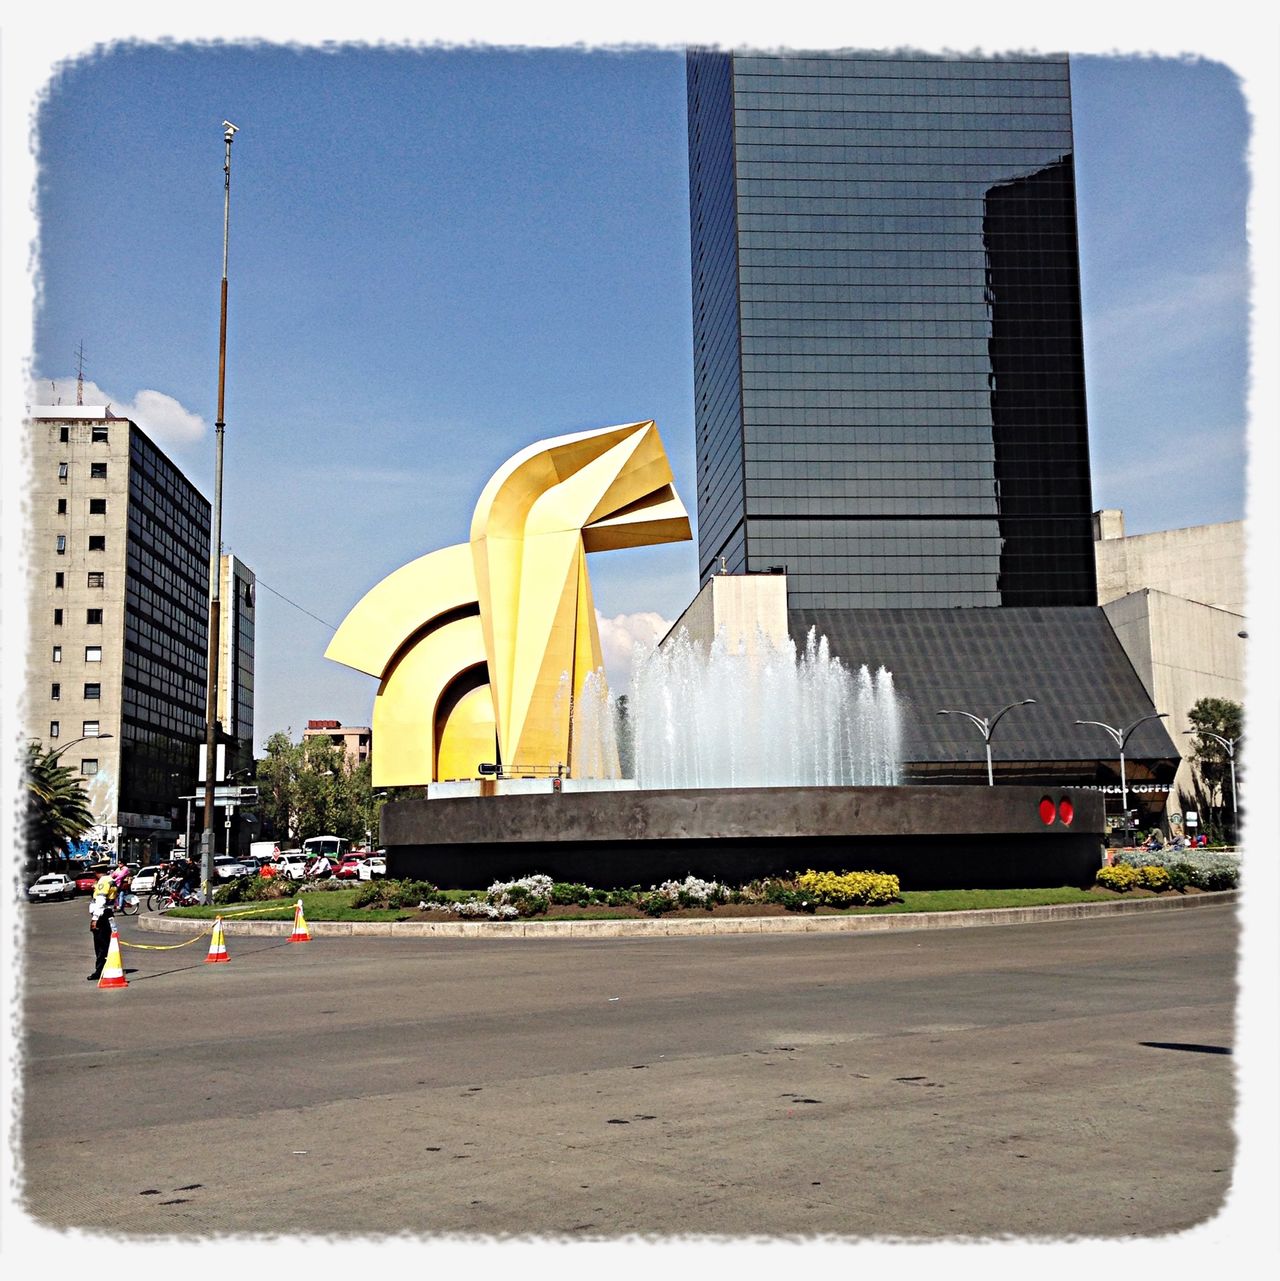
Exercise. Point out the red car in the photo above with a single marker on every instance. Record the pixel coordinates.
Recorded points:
(86, 880)
(347, 868)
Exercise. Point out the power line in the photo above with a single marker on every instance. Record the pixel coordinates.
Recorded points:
(294, 603)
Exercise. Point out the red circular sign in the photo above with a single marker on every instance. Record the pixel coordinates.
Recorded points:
(1066, 811)
(1047, 811)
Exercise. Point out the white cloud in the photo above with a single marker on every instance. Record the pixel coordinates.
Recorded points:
(618, 638)
(162, 417)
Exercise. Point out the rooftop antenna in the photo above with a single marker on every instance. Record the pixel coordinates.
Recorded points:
(80, 373)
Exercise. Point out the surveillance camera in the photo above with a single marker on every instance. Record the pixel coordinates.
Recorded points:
(230, 128)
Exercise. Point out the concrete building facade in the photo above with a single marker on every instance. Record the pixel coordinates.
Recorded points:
(1175, 599)
(118, 575)
(355, 741)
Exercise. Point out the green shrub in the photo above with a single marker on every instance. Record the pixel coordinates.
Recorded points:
(384, 894)
(1180, 875)
(655, 904)
(564, 893)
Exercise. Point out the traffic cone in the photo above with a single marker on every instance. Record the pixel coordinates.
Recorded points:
(113, 970)
(217, 944)
(300, 934)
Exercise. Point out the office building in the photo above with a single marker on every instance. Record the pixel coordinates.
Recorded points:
(889, 373)
(119, 581)
(238, 596)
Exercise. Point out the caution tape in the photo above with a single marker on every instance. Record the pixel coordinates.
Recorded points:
(164, 947)
(226, 916)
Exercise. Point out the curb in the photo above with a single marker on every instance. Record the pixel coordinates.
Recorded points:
(691, 927)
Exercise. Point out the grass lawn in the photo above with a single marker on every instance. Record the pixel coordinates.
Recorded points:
(335, 905)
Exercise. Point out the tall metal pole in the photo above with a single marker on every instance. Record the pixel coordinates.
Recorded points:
(215, 548)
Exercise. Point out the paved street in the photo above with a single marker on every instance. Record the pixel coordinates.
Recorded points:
(1052, 1079)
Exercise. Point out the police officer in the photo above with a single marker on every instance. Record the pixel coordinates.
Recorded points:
(101, 911)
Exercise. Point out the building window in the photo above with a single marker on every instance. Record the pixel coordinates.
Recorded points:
(97, 507)
(57, 653)
(55, 729)
(97, 471)
(57, 618)
(96, 578)
(92, 690)
(98, 435)
(62, 544)
(93, 617)
(97, 542)
(55, 692)
(64, 435)
(62, 472)
(59, 579)
(88, 766)
(90, 729)
(93, 653)
(62, 506)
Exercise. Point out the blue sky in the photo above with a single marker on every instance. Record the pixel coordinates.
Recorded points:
(438, 257)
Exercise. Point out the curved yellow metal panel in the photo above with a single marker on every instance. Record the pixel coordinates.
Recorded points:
(467, 737)
(404, 711)
(403, 602)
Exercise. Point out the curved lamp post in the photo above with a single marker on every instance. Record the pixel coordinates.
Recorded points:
(84, 738)
(1230, 745)
(1121, 737)
(986, 728)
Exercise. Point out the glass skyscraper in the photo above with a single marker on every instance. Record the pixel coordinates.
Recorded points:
(889, 371)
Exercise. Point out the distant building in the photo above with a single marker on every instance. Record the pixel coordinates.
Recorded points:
(238, 594)
(1175, 600)
(356, 741)
(119, 579)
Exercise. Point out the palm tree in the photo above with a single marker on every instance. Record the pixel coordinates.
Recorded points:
(57, 807)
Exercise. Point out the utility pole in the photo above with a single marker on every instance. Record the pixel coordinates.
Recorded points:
(215, 550)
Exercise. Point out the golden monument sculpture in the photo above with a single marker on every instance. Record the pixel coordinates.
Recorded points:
(482, 648)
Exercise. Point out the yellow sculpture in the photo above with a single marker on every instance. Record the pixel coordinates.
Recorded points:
(477, 646)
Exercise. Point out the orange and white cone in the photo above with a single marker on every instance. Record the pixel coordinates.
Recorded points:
(217, 944)
(300, 933)
(113, 970)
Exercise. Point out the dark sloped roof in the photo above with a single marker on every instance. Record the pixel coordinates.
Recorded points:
(978, 660)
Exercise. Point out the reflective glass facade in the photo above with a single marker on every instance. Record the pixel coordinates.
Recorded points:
(888, 361)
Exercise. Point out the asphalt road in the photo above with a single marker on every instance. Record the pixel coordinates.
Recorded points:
(1049, 1080)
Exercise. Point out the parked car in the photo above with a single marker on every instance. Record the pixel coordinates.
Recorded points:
(368, 868)
(348, 869)
(52, 885)
(148, 879)
(293, 865)
(226, 867)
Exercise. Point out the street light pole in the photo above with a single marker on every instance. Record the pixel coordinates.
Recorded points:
(215, 546)
(987, 728)
(1121, 737)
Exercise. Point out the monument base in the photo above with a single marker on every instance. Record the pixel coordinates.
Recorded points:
(930, 837)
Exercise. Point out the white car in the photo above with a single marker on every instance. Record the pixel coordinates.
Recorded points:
(368, 868)
(293, 865)
(52, 885)
(226, 868)
(148, 879)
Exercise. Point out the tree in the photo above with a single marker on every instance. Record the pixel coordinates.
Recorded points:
(1210, 758)
(312, 788)
(57, 808)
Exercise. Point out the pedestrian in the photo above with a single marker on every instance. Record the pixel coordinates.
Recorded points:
(101, 913)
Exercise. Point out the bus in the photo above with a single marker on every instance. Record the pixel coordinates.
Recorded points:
(332, 847)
